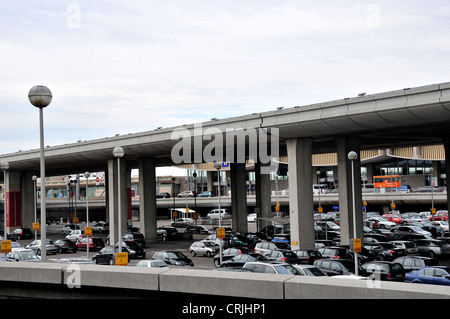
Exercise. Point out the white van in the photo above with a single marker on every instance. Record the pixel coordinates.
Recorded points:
(214, 214)
(320, 188)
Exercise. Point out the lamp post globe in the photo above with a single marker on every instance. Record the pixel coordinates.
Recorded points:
(118, 151)
(40, 96)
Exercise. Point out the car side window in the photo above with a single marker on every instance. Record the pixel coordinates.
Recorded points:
(269, 270)
(440, 273)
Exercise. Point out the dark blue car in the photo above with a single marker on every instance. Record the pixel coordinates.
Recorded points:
(436, 275)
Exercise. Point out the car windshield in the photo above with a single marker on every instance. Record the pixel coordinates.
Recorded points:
(313, 271)
(176, 255)
(27, 255)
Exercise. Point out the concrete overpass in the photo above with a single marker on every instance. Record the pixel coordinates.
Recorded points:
(410, 117)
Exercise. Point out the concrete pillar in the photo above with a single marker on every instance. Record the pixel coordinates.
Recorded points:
(113, 195)
(263, 192)
(239, 197)
(28, 199)
(446, 142)
(301, 205)
(344, 146)
(13, 200)
(147, 199)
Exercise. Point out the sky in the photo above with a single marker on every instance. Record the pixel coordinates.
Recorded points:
(119, 67)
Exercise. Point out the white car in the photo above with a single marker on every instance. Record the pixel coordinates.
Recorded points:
(75, 235)
(380, 222)
(252, 217)
(214, 214)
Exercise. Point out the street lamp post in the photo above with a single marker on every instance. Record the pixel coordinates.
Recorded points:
(4, 166)
(119, 152)
(352, 156)
(87, 174)
(34, 178)
(40, 96)
(218, 166)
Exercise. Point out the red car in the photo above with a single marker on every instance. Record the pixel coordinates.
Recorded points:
(441, 215)
(397, 218)
(95, 243)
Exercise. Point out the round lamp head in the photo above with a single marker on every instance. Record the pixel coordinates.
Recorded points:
(40, 96)
(352, 155)
(118, 151)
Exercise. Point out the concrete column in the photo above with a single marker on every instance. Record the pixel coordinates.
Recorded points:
(239, 197)
(147, 199)
(446, 142)
(344, 146)
(13, 200)
(113, 195)
(263, 192)
(28, 199)
(301, 205)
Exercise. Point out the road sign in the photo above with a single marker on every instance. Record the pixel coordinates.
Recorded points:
(357, 245)
(6, 246)
(221, 233)
(35, 226)
(121, 259)
(88, 231)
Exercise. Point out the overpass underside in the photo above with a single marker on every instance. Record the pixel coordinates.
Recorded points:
(409, 117)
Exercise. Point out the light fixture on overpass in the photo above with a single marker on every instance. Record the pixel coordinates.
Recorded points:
(40, 96)
(352, 156)
(119, 152)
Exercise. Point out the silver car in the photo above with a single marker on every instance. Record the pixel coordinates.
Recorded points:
(35, 245)
(23, 255)
(205, 248)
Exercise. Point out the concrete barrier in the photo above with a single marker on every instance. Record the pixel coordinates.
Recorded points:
(57, 279)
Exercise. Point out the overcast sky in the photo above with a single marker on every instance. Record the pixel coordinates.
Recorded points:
(118, 67)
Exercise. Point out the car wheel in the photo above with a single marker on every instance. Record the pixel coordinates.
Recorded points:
(193, 253)
(431, 254)
(208, 254)
(111, 261)
(38, 252)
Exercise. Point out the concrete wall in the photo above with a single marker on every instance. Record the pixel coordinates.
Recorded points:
(46, 280)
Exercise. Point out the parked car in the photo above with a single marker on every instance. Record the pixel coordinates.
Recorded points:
(413, 263)
(404, 230)
(95, 243)
(266, 246)
(65, 245)
(182, 222)
(386, 251)
(378, 222)
(133, 248)
(306, 256)
(67, 228)
(23, 255)
(37, 246)
(187, 194)
(163, 195)
(76, 260)
(173, 257)
(20, 233)
(206, 194)
(271, 268)
(206, 248)
(167, 233)
(241, 259)
(252, 217)
(199, 229)
(437, 275)
(333, 267)
(136, 237)
(434, 230)
(100, 227)
(75, 235)
(431, 247)
(309, 270)
(337, 252)
(214, 214)
(384, 270)
(230, 253)
(107, 255)
(396, 218)
(282, 255)
(409, 245)
(152, 263)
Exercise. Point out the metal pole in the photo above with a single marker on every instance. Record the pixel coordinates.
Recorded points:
(87, 211)
(354, 219)
(43, 190)
(119, 224)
